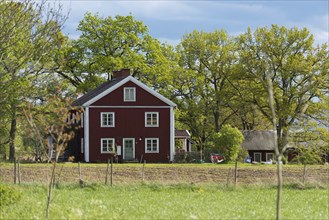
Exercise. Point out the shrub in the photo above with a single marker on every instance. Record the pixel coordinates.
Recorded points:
(8, 195)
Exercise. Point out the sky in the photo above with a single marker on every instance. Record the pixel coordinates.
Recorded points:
(169, 20)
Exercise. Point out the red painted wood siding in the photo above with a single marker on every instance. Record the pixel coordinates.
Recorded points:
(143, 98)
(130, 123)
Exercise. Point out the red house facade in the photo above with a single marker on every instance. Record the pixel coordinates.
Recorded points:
(126, 118)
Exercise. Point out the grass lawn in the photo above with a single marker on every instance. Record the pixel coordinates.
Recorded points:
(96, 201)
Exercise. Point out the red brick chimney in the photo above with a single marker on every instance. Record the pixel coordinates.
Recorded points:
(121, 73)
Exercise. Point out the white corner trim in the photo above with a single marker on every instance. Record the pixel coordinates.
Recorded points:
(172, 133)
(138, 83)
(86, 134)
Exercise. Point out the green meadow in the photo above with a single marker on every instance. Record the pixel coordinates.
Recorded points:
(154, 201)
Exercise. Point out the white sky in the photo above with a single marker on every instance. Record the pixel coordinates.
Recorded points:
(170, 20)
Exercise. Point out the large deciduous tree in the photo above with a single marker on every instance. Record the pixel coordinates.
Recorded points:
(297, 71)
(29, 32)
(287, 76)
(108, 44)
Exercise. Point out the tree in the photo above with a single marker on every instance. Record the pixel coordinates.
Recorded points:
(229, 141)
(29, 32)
(108, 44)
(296, 69)
(287, 75)
(212, 57)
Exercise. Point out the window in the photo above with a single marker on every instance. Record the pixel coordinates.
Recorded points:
(151, 145)
(107, 119)
(258, 157)
(151, 119)
(269, 156)
(107, 145)
(129, 94)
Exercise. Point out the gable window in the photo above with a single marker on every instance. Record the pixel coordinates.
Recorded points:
(151, 145)
(151, 119)
(129, 94)
(107, 119)
(107, 145)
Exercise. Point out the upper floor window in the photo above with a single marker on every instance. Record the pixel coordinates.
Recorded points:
(129, 94)
(151, 119)
(107, 145)
(107, 119)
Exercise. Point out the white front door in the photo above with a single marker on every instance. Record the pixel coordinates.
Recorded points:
(128, 148)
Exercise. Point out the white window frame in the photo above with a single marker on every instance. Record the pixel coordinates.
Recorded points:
(102, 122)
(269, 154)
(151, 125)
(131, 99)
(260, 154)
(157, 145)
(113, 145)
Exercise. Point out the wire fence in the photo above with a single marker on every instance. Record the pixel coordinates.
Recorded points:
(157, 174)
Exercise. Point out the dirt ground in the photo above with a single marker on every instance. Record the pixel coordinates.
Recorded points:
(165, 174)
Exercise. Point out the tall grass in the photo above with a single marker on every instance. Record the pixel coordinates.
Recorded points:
(154, 201)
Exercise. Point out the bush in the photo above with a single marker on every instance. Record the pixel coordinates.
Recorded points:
(8, 195)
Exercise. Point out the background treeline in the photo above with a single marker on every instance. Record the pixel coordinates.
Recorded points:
(214, 78)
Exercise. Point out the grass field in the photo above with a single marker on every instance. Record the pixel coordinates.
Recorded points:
(153, 201)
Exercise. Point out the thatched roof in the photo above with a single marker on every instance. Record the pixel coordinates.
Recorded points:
(258, 140)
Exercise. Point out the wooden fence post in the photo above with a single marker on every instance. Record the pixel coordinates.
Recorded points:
(107, 171)
(236, 174)
(19, 171)
(111, 171)
(304, 173)
(80, 180)
(15, 170)
(143, 171)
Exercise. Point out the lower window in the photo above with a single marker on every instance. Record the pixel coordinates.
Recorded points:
(151, 145)
(107, 145)
(269, 156)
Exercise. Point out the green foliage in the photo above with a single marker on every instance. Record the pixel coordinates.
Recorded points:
(8, 195)
(229, 141)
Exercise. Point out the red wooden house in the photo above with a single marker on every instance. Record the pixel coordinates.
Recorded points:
(125, 117)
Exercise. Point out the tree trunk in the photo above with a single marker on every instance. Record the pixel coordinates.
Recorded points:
(277, 144)
(12, 135)
(236, 174)
(216, 117)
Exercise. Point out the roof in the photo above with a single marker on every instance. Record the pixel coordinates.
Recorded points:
(93, 93)
(182, 133)
(258, 140)
(109, 86)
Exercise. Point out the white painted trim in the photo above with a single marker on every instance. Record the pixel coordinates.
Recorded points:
(152, 126)
(259, 154)
(129, 106)
(108, 126)
(86, 134)
(172, 133)
(123, 147)
(266, 154)
(152, 152)
(124, 94)
(138, 83)
(107, 152)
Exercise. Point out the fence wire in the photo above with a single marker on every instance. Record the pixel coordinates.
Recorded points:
(125, 174)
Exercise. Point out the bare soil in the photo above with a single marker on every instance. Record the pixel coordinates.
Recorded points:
(165, 174)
